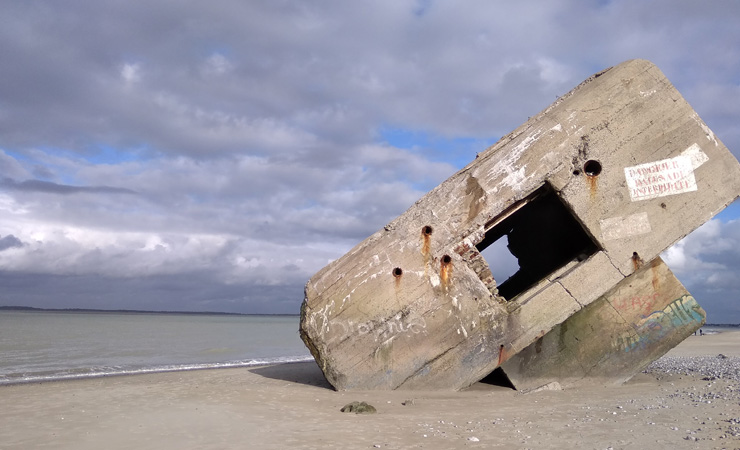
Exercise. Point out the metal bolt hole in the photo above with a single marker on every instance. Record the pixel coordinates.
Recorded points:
(592, 168)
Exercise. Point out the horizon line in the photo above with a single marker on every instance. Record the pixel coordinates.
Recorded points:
(136, 311)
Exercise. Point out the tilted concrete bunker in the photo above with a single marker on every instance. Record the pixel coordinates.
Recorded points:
(588, 193)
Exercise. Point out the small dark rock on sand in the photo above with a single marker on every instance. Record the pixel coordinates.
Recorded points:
(359, 408)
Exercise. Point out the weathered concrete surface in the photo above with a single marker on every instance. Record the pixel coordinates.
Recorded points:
(621, 166)
(613, 338)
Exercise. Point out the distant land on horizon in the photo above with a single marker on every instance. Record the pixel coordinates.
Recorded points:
(217, 313)
(130, 311)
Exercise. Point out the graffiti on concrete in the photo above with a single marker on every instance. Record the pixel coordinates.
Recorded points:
(652, 328)
(635, 302)
(336, 330)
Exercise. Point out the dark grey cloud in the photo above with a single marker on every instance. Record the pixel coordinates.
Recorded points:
(192, 291)
(240, 144)
(54, 188)
(10, 241)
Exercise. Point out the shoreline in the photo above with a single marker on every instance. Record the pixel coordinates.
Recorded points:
(156, 370)
(292, 406)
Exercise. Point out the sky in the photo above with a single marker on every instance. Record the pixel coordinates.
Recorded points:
(212, 156)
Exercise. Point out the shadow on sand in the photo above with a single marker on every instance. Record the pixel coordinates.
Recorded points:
(302, 372)
(308, 373)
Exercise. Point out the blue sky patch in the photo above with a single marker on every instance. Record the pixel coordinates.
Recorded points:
(732, 212)
(457, 151)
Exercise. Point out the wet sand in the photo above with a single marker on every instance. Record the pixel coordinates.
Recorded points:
(677, 405)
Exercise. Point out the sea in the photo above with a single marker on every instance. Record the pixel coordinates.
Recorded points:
(57, 345)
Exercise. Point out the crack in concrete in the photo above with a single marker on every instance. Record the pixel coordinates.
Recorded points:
(614, 265)
(569, 293)
(620, 315)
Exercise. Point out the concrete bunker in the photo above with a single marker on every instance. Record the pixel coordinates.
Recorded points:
(543, 235)
(582, 182)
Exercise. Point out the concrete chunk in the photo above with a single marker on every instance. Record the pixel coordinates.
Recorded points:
(613, 338)
(586, 193)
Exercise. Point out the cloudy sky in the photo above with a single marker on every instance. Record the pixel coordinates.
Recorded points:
(172, 155)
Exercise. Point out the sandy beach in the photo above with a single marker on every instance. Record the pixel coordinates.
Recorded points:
(690, 399)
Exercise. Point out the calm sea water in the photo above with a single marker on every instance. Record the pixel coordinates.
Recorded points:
(37, 346)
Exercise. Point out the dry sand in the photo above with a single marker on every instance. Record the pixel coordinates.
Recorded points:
(292, 406)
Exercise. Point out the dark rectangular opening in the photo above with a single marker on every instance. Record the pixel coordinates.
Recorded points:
(543, 236)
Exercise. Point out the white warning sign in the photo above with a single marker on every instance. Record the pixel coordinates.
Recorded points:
(660, 178)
